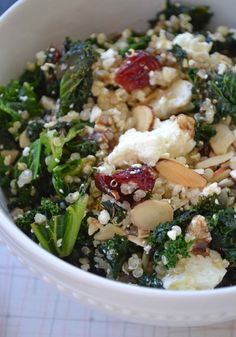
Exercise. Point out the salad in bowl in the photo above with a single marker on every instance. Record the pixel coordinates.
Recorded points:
(118, 153)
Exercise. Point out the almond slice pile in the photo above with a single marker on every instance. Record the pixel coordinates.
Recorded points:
(177, 173)
(151, 213)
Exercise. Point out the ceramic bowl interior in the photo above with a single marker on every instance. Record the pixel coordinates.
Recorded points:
(32, 25)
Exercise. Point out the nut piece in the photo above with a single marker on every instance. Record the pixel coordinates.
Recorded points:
(177, 173)
(199, 231)
(107, 232)
(187, 124)
(151, 213)
(222, 140)
(215, 161)
(144, 118)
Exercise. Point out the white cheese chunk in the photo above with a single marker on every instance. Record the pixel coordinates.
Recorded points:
(196, 46)
(173, 100)
(147, 147)
(196, 273)
(163, 77)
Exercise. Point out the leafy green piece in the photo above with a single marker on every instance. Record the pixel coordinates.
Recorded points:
(159, 236)
(226, 47)
(34, 128)
(200, 15)
(36, 79)
(116, 251)
(204, 132)
(178, 52)
(54, 142)
(15, 98)
(207, 206)
(223, 230)
(223, 89)
(49, 207)
(76, 81)
(173, 251)
(151, 281)
(59, 235)
(116, 212)
(88, 147)
(71, 168)
(136, 43)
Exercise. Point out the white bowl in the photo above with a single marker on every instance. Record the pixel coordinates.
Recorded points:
(29, 26)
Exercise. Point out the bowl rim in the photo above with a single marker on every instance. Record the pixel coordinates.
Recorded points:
(35, 251)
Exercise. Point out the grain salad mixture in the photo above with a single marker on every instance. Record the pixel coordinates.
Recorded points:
(118, 153)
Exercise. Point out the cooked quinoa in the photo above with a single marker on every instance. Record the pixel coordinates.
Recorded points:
(118, 153)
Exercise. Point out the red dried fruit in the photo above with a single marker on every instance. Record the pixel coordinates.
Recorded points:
(144, 178)
(53, 55)
(134, 72)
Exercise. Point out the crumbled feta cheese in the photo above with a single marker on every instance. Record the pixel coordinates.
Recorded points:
(174, 232)
(163, 77)
(25, 178)
(95, 114)
(196, 46)
(108, 58)
(39, 218)
(23, 98)
(104, 217)
(211, 190)
(59, 242)
(72, 197)
(233, 174)
(196, 273)
(172, 100)
(222, 68)
(26, 151)
(147, 147)
(162, 43)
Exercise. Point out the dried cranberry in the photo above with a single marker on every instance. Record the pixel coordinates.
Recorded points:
(134, 72)
(144, 178)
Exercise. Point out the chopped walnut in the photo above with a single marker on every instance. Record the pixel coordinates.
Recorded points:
(199, 231)
(187, 124)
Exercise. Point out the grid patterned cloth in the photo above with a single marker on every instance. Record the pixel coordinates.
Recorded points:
(30, 308)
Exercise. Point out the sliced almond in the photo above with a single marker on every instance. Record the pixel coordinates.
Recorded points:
(108, 231)
(144, 117)
(219, 175)
(215, 161)
(222, 140)
(137, 241)
(151, 213)
(177, 173)
(143, 233)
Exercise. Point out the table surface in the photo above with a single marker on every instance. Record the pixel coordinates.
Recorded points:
(29, 307)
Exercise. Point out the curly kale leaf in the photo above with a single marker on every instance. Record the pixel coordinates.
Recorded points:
(223, 230)
(15, 98)
(178, 52)
(116, 251)
(173, 251)
(116, 212)
(60, 233)
(76, 81)
(159, 236)
(136, 43)
(204, 132)
(47, 207)
(34, 128)
(200, 15)
(150, 281)
(223, 89)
